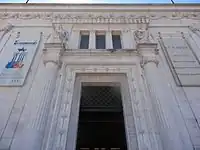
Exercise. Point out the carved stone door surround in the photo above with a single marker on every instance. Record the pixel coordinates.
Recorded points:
(64, 120)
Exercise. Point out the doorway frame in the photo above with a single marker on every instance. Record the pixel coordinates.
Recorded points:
(62, 124)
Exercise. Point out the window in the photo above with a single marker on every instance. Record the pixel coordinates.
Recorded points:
(116, 39)
(100, 40)
(84, 43)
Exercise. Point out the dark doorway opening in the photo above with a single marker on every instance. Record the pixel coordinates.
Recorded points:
(101, 120)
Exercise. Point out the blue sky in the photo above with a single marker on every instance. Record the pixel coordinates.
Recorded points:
(100, 1)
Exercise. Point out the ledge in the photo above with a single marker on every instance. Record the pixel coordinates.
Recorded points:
(100, 52)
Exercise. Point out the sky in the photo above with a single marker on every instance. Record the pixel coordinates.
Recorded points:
(100, 1)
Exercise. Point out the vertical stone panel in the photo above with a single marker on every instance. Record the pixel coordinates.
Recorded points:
(181, 59)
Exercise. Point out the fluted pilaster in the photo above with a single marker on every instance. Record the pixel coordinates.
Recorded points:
(173, 137)
(33, 133)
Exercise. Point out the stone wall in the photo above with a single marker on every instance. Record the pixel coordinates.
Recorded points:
(27, 109)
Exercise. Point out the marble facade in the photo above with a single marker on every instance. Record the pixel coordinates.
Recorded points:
(157, 68)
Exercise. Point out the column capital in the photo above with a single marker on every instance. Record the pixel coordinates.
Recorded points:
(148, 53)
(147, 59)
(52, 53)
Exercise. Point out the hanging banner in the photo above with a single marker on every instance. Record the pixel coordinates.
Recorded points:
(17, 55)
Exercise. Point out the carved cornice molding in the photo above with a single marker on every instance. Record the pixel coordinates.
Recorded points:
(72, 17)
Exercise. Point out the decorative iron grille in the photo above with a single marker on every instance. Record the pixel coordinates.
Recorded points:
(101, 97)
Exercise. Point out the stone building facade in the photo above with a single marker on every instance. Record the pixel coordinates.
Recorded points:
(47, 51)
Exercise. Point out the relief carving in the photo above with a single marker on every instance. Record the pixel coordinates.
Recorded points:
(62, 33)
(104, 17)
(141, 36)
(146, 60)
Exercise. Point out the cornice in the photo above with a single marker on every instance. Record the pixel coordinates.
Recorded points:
(97, 6)
(102, 52)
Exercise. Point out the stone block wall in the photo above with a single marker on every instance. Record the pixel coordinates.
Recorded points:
(179, 57)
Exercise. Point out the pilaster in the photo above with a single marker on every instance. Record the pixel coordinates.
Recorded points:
(33, 133)
(74, 39)
(92, 40)
(173, 135)
(126, 39)
(109, 42)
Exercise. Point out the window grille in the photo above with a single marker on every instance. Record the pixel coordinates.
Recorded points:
(107, 97)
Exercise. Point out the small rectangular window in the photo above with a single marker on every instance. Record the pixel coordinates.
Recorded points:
(100, 40)
(116, 39)
(84, 43)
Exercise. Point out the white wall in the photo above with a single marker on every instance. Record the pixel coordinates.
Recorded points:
(18, 104)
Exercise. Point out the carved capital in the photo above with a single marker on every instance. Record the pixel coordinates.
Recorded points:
(148, 59)
(52, 53)
(51, 56)
(148, 53)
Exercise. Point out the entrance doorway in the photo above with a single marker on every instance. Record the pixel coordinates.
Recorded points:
(101, 120)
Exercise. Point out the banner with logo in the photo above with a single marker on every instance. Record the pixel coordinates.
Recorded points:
(17, 55)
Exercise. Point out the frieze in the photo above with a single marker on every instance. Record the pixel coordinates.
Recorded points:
(99, 17)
